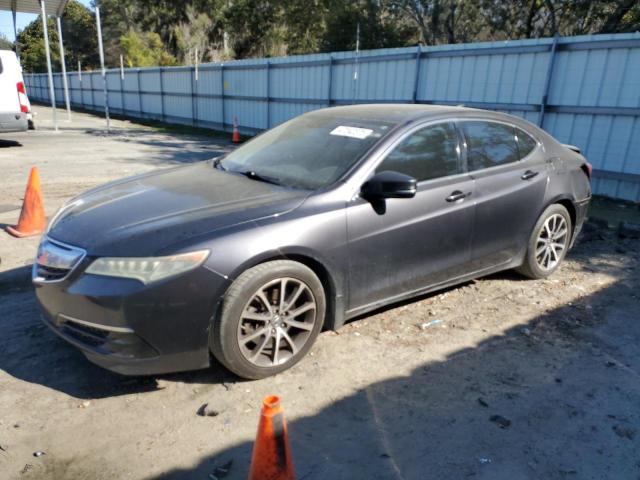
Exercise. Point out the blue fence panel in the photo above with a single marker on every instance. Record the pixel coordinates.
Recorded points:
(584, 90)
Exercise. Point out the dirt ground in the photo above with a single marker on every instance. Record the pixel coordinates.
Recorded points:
(500, 378)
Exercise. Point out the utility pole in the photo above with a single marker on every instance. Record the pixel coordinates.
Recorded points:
(104, 72)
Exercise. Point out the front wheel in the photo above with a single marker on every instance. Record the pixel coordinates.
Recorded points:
(548, 243)
(271, 316)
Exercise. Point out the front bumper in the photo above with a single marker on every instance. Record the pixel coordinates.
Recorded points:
(131, 328)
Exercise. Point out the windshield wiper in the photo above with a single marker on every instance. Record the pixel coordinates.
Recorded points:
(261, 178)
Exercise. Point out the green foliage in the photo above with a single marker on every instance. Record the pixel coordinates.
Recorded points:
(31, 44)
(5, 43)
(380, 26)
(164, 32)
(79, 35)
(145, 50)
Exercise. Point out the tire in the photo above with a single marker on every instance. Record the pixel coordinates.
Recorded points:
(237, 341)
(534, 262)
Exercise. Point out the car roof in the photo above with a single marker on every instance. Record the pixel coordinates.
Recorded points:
(392, 112)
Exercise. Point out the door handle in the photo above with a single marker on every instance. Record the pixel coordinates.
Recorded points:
(529, 174)
(457, 195)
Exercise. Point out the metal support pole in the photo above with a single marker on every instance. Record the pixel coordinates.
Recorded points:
(194, 90)
(63, 62)
(330, 80)
(80, 84)
(197, 60)
(268, 94)
(15, 31)
(93, 99)
(104, 72)
(122, 85)
(162, 117)
(416, 78)
(194, 93)
(52, 93)
(547, 82)
(140, 109)
(356, 65)
(222, 93)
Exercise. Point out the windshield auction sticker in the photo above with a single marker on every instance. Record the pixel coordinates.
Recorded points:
(353, 132)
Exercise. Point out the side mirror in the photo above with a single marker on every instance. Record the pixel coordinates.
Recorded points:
(389, 184)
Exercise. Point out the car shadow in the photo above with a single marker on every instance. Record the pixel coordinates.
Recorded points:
(9, 143)
(559, 401)
(171, 147)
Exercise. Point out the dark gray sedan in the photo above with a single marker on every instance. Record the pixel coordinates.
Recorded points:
(335, 213)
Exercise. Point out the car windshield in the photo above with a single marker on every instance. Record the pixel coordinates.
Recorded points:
(310, 151)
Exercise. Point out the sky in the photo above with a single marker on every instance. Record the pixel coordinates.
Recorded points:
(22, 20)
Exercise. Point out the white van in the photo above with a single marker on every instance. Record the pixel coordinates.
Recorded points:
(15, 108)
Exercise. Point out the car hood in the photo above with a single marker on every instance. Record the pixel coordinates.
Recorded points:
(147, 214)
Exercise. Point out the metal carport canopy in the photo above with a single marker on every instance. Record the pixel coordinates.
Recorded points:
(45, 8)
(53, 7)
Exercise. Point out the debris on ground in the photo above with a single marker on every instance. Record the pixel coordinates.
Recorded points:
(432, 323)
(38, 453)
(207, 410)
(500, 421)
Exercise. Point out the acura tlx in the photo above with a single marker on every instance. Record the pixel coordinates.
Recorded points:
(244, 259)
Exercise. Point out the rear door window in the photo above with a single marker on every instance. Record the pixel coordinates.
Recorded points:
(428, 153)
(526, 143)
(489, 144)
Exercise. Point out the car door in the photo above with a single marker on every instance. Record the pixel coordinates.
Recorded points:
(405, 244)
(510, 174)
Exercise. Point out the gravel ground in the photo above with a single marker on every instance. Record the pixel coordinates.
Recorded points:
(499, 378)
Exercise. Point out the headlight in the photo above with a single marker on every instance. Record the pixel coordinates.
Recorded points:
(148, 269)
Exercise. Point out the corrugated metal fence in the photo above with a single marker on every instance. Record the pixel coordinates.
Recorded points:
(583, 90)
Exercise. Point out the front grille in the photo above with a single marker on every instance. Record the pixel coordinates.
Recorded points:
(49, 274)
(55, 260)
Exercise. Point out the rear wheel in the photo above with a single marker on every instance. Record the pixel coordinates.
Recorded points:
(548, 243)
(271, 316)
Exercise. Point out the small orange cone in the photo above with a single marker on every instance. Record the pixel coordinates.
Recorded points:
(235, 137)
(271, 459)
(32, 220)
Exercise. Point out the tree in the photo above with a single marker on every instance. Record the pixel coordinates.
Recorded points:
(254, 27)
(30, 41)
(78, 32)
(80, 36)
(5, 43)
(193, 36)
(170, 31)
(145, 50)
(381, 26)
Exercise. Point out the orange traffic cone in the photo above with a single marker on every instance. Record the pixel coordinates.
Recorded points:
(235, 137)
(271, 459)
(32, 220)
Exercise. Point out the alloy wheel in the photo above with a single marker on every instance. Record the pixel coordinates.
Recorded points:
(277, 322)
(552, 242)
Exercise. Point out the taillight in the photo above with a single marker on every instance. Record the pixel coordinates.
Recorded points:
(22, 98)
(587, 168)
